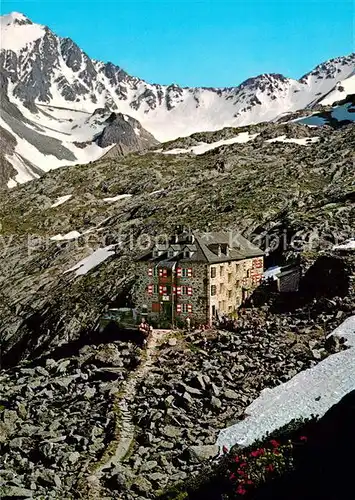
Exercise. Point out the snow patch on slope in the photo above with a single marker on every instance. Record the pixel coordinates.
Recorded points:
(304, 141)
(73, 235)
(313, 391)
(94, 260)
(348, 245)
(61, 200)
(203, 147)
(24, 173)
(119, 197)
(341, 90)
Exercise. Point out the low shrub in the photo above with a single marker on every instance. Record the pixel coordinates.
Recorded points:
(248, 471)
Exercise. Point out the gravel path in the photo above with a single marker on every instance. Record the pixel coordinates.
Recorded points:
(126, 427)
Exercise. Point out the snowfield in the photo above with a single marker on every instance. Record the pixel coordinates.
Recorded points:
(341, 90)
(203, 147)
(61, 200)
(305, 141)
(95, 259)
(312, 391)
(73, 235)
(348, 245)
(15, 36)
(241, 138)
(118, 197)
(167, 112)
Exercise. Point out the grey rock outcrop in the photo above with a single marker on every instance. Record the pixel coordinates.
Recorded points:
(126, 133)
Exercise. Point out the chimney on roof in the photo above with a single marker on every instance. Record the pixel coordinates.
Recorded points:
(190, 238)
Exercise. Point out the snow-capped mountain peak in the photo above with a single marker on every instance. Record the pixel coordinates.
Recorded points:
(17, 31)
(14, 18)
(50, 85)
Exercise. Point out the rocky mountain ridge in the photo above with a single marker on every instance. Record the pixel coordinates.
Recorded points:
(67, 244)
(51, 88)
(292, 188)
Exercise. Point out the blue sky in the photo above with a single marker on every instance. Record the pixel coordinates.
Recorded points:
(201, 43)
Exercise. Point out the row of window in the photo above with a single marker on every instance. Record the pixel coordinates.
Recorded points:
(181, 272)
(255, 280)
(221, 290)
(256, 264)
(180, 308)
(154, 289)
(172, 253)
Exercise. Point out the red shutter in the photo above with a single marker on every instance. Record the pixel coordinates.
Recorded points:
(174, 289)
(256, 279)
(150, 272)
(160, 290)
(150, 289)
(165, 273)
(189, 290)
(178, 308)
(160, 273)
(165, 290)
(178, 272)
(178, 290)
(189, 272)
(189, 308)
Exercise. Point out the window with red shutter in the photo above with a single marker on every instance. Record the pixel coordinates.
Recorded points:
(178, 272)
(178, 308)
(189, 290)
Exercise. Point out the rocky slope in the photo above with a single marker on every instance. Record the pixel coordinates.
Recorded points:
(57, 418)
(67, 242)
(51, 89)
(288, 197)
(60, 415)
